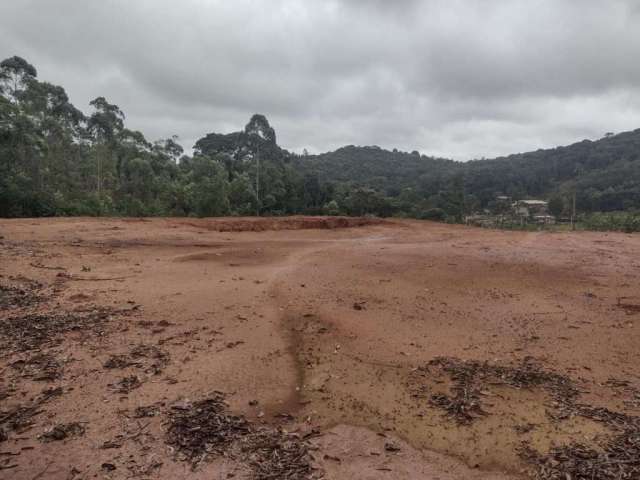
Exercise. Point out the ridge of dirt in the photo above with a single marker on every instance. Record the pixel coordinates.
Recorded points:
(263, 224)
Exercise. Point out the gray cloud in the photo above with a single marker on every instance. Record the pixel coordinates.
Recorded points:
(455, 78)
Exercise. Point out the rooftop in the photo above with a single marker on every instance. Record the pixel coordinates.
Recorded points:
(533, 202)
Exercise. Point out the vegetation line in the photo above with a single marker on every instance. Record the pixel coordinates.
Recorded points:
(57, 161)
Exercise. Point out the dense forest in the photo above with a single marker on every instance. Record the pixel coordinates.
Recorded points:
(604, 175)
(57, 160)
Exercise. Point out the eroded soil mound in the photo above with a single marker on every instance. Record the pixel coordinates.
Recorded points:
(262, 224)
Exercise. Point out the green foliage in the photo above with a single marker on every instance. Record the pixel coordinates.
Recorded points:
(604, 173)
(366, 201)
(621, 221)
(384, 171)
(556, 205)
(209, 188)
(331, 208)
(15, 75)
(106, 121)
(242, 195)
(436, 214)
(56, 161)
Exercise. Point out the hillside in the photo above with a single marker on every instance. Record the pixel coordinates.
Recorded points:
(383, 170)
(604, 173)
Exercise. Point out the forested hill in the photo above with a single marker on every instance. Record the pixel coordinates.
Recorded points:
(57, 160)
(387, 171)
(605, 174)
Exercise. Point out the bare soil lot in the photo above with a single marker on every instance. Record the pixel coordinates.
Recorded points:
(316, 348)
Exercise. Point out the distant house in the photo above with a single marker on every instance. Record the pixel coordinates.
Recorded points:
(504, 211)
(530, 208)
(533, 210)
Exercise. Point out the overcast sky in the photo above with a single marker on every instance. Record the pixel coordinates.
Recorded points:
(454, 78)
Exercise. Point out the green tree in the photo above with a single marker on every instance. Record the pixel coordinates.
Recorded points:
(210, 187)
(556, 205)
(15, 75)
(105, 124)
(242, 196)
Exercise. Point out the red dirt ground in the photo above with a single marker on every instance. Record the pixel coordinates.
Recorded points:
(323, 321)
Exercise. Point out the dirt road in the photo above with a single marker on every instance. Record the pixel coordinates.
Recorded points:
(392, 350)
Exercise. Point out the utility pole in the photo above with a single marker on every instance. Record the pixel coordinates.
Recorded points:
(258, 181)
